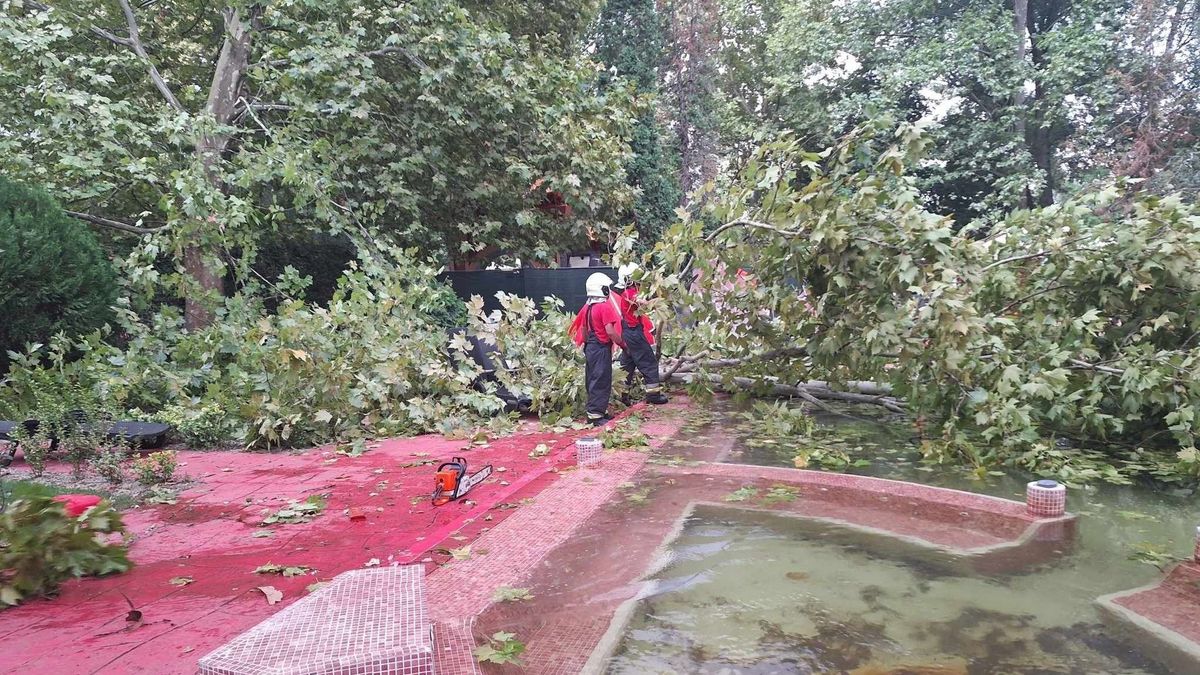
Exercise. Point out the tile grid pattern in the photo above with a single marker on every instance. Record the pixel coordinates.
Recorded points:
(365, 622)
(465, 588)
(563, 647)
(455, 647)
(1046, 502)
(588, 450)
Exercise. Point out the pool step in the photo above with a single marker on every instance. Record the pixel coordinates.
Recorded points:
(365, 621)
(963, 529)
(1160, 619)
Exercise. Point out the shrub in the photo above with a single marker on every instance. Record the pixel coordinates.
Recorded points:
(157, 467)
(108, 465)
(68, 415)
(33, 446)
(41, 546)
(54, 275)
(199, 425)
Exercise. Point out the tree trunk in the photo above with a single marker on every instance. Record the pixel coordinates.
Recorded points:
(206, 281)
(1021, 35)
(1041, 146)
(694, 29)
(1039, 137)
(1020, 21)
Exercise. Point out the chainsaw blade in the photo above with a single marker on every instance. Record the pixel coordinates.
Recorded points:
(473, 480)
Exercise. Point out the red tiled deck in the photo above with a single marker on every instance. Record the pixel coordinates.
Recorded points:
(208, 536)
(507, 553)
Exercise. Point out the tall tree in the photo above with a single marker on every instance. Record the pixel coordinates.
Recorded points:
(690, 79)
(206, 127)
(1161, 74)
(629, 40)
(1020, 94)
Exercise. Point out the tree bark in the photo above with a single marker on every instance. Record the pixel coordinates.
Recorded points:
(223, 95)
(691, 71)
(808, 390)
(1020, 21)
(1039, 137)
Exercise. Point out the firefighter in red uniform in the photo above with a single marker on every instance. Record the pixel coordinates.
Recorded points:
(597, 328)
(638, 332)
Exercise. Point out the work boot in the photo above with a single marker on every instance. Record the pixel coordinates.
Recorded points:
(657, 398)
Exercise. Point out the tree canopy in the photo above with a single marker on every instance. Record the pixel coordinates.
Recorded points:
(209, 127)
(979, 212)
(1076, 322)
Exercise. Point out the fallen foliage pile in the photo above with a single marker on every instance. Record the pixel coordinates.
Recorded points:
(1061, 340)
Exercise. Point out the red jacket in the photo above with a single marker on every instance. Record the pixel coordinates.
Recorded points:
(626, 301)
(610, 311)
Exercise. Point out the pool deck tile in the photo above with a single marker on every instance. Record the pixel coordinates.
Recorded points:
(1162, 619)
(506, 554)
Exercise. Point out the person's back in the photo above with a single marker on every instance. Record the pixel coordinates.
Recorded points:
(597, 328)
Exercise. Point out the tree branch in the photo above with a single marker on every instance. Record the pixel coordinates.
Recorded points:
(688, 364)
(1031, 256)
(116, 224)
(753, 224)
(803, 390)
(124, 42)
(135, 42)
(1080, 364)
(382, 51)
(1016, 258)
(1020, 301)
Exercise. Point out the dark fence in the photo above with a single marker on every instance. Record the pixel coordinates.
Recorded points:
(566, 284)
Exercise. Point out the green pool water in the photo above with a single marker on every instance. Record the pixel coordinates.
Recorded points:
(747, 592)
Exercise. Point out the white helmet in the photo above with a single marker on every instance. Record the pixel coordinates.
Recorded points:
(624, 272)
(597, 285)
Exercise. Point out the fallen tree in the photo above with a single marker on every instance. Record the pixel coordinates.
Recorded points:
(813, 391)
(1078, 321)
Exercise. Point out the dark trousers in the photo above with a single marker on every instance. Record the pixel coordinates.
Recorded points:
(639, 354)
(598, 376)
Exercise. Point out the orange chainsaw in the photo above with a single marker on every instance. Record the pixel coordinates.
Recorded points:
(451, 481)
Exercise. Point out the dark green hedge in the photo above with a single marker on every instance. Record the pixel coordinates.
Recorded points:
(53, 274)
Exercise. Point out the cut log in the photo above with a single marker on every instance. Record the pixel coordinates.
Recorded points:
(816, 389)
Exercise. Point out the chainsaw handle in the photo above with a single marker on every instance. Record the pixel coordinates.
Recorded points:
(457, 462)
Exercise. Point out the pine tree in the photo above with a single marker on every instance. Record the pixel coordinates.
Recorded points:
(54, 275)
(629, 38)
